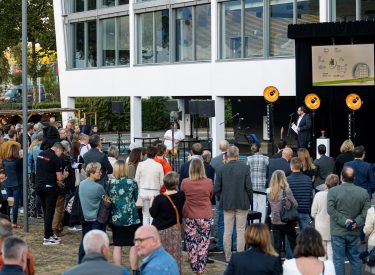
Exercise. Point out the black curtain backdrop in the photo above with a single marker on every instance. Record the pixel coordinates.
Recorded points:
(332, 116)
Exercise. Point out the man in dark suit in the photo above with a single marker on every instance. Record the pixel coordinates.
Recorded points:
(364, 176)
(96, 155)
(303, 127)
(280, 164)
(84, 128)
(326, 166)
(196, 152)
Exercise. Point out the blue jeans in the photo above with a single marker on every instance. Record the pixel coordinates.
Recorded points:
(346, 246)
(304, 220)
(86, 227)
(220, 232)
(14, 192)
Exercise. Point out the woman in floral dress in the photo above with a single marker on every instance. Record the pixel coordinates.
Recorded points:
(124, 221)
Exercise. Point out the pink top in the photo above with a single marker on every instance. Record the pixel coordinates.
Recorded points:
(198, 195)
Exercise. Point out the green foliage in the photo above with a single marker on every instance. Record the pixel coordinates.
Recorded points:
(4, 71)
(154, 115)
(228, 113)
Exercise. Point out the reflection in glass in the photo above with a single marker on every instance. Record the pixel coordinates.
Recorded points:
(78, 30)
(123, 40)
(184, 34)
(108, 42)
(281, 15)
(203, 32)
(123, 2)
(145, 38)
(91, 45)
(307, 11)
(108, 3)
(231, 40)
(368, 10)
(79, 5)
(345, 10)
(162, 36)
(253, 28)
(91, 4)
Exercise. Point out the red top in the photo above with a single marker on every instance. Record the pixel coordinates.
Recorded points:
(166, 169)
(198, 195)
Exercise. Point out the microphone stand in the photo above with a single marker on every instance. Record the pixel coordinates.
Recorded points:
(289, 125)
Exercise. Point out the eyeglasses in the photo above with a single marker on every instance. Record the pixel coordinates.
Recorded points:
(141, 240)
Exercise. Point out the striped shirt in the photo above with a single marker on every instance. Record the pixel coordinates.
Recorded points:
(258, 164)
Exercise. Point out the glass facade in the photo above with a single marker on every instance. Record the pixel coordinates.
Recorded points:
(78, 38)
(78, 5)
(253, 28)
(345, 10)
(161, 36)
(123, 40)
(91, 4)
(145, 38)
(307, 11)
(108, 3)
(91, 44)
(108, 42)
(184, 34)
(203, 32)
(368, 10)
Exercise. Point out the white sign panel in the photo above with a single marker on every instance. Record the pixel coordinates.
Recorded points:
(343, 65)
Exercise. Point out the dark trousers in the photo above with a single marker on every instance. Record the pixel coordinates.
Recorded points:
(16, 193)
(86, 227)
(279, 232)
(48, 198)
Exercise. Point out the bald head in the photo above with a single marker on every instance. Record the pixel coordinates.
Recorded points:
(223, 145)
(96, 241)
(287, 153)
(146, 240)
(347, 174)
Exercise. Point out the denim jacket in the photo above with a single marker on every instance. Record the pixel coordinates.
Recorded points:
(159, 262)
(13, 169)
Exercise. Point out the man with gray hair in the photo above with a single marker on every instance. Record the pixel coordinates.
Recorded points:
(14, 252)
(234, 190)
(38, 128)
(96, 246)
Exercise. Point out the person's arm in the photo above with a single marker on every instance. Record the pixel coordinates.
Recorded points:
(314, 207)
(360, 219)
(138, 174)
(161, 175)
(167, 136)
(135, 190)
(307, 125)
(331, 209)
(290, 197)
(154, 209)
(371, 177)
(369, 224)
(218, 185)
(107, 165)
(249, 186)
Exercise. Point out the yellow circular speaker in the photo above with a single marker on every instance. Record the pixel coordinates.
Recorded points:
(271, 94)
(354, 102)
(312, 101)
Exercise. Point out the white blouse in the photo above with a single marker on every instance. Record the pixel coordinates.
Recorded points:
(290, 268)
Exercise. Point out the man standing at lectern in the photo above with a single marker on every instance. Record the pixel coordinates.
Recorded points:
(303, 127)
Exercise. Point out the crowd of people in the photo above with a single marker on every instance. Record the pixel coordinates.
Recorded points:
(314, 213)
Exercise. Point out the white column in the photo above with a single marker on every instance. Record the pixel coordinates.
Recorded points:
(181, 108)
(217, 125)
(324, 10)
(135, 117)
(132, 45)
(214, 30)
(67, 102)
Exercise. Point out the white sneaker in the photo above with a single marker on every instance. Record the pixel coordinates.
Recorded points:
(56, 238)
(50, 241)
(74, 228)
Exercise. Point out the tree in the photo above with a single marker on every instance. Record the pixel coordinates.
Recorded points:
(40, 30)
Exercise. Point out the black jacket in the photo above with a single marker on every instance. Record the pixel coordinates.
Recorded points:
(277, 164)
(304, 134)
(94, 155)
(253, 261)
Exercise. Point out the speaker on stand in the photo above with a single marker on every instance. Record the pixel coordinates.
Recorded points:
(118, 109)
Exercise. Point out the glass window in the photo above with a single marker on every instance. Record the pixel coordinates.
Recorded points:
(281, 15)
(203, 32)
(253, 21)
(91, 44)
(307, 11)
(123, 40)
(108, 3)
(231, 40)
(145, 38)
(78, 55)
(184, 34)
(123, 2)
(108, 42)
(162, 36)
(91, 4)
(345, 10)
(368, 10)
(78, 5)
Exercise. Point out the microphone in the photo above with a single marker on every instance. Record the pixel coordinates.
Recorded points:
(241, 118)
(292, 114)
(236, 115)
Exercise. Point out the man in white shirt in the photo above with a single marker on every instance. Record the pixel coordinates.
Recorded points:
(177, 135)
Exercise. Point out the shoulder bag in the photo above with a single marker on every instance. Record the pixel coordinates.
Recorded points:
(176, 211)
(290, 214)
(105, 208)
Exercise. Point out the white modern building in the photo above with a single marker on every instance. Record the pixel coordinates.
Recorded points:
(184, 48)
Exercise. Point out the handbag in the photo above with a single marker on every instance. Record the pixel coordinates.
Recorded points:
(105, 209)
(176, 210)
(290, 214)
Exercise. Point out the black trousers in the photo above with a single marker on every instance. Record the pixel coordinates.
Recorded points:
(48, 198)
(279, 231)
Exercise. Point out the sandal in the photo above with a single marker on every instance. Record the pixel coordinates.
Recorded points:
(16, 226)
